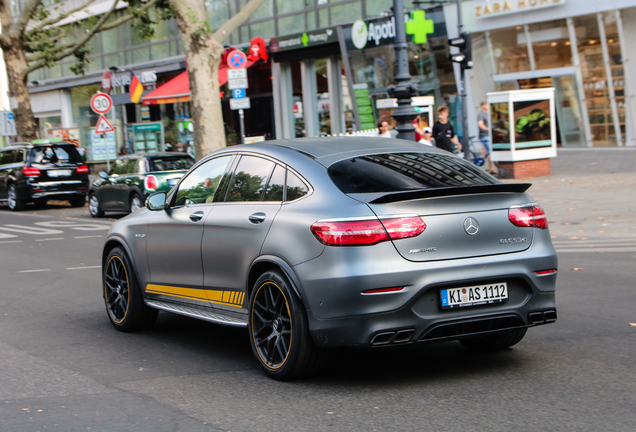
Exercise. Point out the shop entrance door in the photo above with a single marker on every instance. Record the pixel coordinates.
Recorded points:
(313, 98)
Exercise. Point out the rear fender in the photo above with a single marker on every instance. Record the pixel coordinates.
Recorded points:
(266, 262)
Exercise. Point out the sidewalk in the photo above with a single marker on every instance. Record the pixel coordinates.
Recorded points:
(590, 196)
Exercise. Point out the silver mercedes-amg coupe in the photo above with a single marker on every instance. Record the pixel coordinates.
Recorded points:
(325, 242)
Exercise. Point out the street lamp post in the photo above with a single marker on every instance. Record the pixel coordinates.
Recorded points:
(404, 89)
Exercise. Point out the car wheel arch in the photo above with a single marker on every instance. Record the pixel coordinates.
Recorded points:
(265, 263)
(111, 244)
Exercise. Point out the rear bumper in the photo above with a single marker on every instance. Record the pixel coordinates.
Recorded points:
(340, 315)
(405, 326)
(63, 189)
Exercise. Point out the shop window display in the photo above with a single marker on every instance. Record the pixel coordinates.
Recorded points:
(550, 44)
(510, 50)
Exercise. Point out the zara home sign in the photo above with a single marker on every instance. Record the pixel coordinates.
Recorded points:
(492, 8)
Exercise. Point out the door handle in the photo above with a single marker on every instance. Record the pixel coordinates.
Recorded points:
(196, 216)
(257, 218)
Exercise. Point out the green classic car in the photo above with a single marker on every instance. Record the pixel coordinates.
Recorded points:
(132, 178)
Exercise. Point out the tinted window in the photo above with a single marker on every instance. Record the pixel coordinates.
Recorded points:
(119, 167)
(276, 187)
(6, 157)
(131, 166)
(394, 172)
(201, 185)
(296, 188)
(18, 156)
(171, 163)
(56, 154)
(250, 179)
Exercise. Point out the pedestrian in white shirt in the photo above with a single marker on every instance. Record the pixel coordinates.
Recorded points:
(427, 136)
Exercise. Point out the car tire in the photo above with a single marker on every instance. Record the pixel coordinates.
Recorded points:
(79, 201)
(124, 301)
(279, 331)
(135, 203)
(14, 203)
(94, 206)
(496, 341)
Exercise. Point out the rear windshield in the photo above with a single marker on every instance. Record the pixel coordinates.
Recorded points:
(56, 154)
(397, 172)
(170, 163)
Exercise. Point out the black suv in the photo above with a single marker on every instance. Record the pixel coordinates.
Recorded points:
(39, 172)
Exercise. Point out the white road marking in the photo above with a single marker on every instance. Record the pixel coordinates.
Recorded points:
(29, 230)
(80, 226)
(81, 237)
(81, 268)
(13, 241)
(3, 235)
(33, 271)
(46, 239)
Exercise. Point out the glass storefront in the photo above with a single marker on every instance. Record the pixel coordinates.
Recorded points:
(590, 100)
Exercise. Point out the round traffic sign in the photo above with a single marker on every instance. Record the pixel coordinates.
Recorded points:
(101, 103)
(237, 60)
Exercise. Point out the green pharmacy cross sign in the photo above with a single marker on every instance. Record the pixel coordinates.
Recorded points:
(419, 27)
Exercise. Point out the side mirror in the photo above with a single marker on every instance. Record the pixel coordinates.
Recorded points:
(104, 175)
(156, 201)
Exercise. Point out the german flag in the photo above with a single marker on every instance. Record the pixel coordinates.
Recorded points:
(136, 89)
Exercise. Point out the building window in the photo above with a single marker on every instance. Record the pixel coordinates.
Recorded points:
(550, 44)
(510, 50)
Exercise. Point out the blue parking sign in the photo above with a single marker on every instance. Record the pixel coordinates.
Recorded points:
(238, 93)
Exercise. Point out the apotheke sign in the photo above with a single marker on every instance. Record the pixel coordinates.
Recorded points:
(493, 8)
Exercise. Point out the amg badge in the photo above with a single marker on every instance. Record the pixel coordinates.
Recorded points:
(431, 249)
(513, 240)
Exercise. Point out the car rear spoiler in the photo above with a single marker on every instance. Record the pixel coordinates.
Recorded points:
(451, 191)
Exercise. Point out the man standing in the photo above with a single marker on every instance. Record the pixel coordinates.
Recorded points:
(484, 133)
(443, 131)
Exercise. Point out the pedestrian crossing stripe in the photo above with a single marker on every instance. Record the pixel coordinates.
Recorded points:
(228, 298)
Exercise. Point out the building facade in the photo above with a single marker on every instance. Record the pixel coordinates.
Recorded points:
(309, 89)
(580, 47)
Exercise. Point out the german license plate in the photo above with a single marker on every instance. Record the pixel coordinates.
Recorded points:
(474, 295)
(59, 173)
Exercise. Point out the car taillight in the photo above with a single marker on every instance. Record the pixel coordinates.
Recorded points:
(30, 171)
(151, 182)
(366, 232)
(82, 169)
(528, 215)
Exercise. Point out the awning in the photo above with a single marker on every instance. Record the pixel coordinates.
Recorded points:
(178, 88)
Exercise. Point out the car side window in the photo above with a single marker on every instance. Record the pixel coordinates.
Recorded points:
(5, 157)
(249, 180)
(18, 156)
(276, 187)
(201, 185)
(131, 166)
(118, 167)
(296, 188)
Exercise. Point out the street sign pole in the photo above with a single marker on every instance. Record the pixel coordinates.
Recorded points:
(101, 103)
(242, 122)
(462, 90)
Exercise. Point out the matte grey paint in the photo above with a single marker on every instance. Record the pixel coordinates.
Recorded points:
(219, 250)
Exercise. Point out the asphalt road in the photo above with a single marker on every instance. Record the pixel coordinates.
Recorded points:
(64, 368)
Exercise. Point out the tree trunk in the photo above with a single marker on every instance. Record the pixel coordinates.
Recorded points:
(16, 71)
(203, 56)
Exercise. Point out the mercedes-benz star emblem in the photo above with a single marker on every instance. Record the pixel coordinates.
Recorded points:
(471, 226)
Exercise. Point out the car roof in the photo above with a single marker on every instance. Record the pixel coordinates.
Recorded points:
(328, 150)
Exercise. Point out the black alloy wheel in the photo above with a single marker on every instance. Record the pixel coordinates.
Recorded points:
(279, 332)
(93, 206)
(495, 342)
(14, 203)
(124, 301)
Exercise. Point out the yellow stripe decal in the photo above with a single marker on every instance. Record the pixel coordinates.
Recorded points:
(228, 298)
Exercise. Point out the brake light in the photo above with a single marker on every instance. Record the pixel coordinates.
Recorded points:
(528, 215)
(30, 171)
(82, 169)
(366, 232)
(151, 182)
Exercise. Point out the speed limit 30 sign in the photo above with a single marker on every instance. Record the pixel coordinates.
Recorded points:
(101, 103)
